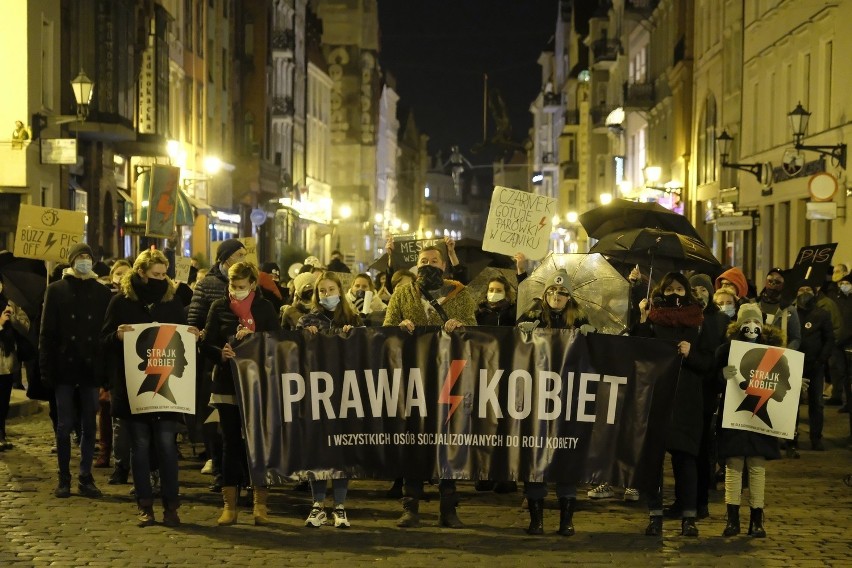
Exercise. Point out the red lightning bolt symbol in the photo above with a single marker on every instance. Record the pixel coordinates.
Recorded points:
(164, 335)
(445, 397)
(165, 206)
(766, 364)
(541, 223)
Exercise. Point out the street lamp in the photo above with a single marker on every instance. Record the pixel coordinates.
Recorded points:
(723, 142)
(345, 211)
(799, 118)
(83, 89)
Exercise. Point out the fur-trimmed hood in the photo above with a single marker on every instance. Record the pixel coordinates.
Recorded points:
(128, 291)
(74, 274)
(770, 335)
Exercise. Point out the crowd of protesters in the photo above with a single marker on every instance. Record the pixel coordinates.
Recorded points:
(77, 358)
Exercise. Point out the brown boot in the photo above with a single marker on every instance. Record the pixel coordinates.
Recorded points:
(145, 517)
(170, 514)
(229, 513)
(261, 512)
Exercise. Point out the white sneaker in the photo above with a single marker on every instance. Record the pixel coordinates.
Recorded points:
(339, 516)
(317, 517)
(602, 491)
(208, 468)
(631, 494)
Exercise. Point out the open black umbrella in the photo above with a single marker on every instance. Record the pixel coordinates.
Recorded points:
(658, 248)
(623, 214)
(470, 254)
(24, 282)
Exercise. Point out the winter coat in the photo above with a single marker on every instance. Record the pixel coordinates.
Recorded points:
(290, 315)
(686, 423)
(211, 288)
(844, 306)
(501, 313)
(323, 320)
(731, 442)
(127, 308)
(557, 320)
(221, 326)
(817, 337)
(70, 350)
(716, 326)
(406, 303)
(14, 336)
(773, 314)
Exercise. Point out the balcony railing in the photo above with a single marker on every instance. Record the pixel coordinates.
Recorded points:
(599, 114)
(570, 170)
(606, 49)
(283, 40)
(639, 96)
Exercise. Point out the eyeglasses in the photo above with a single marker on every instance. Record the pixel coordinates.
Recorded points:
(562, 293)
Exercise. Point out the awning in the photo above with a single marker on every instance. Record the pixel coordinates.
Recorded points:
(201, 207)
(124, 195)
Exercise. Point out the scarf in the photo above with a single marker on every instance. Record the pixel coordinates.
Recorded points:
(148, 295)
(691, 315)
(242, 309)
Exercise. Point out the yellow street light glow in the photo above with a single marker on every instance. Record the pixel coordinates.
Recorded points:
(345, 212)
(212, 165)
(379, 218)
(571, 217)
(555, 220)
(606, 198)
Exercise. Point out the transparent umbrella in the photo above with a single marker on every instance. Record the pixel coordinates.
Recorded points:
(598, 287)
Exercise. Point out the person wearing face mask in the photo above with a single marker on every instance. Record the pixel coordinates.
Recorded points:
(431, 300)
(558, 310)
(742, 449)
(727, 303)
(677, 317)
(303, 294)
(70, 357)
(840, 363)
(147, 296)
(241, 312)
(498, 306)
(817, 344)
(362, 287)
(330, 313)
(776, 312)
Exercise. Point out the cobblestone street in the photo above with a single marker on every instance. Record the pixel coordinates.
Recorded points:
(808, 516)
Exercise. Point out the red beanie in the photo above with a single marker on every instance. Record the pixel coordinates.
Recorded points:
(736, 277)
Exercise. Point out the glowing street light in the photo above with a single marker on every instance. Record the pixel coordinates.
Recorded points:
(345, 211)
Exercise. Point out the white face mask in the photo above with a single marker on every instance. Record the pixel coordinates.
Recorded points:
(729, 311)
(82, 266)
(239, 294)
(495, 297)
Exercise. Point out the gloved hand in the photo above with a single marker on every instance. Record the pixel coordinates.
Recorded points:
(528, 326)
(586, 329)
(805, 384)
(730, 372)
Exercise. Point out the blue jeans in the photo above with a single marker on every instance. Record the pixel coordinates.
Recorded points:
(66, 413)
(339, 487)
(145, 431)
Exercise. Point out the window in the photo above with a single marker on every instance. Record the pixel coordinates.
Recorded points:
(707, 142)
(827, 55)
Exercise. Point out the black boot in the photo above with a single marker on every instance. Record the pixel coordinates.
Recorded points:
(566, 516)
(673, 511)
(536, 507)
(655, 526)
(755, 524)
(449, 518)
(733, 525)
(63, 488)
(410, 513)
(687, 527)
(395, 491)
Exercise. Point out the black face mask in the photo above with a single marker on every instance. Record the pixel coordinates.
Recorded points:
(770, 295)
(307, 295)
(359, 295)
(157, 287)
(430, 277)
(804, 300)
(671, 301)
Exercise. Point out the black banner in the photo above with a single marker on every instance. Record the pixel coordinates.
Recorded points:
(483, 403)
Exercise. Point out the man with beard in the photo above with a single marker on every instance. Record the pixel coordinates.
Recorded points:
(775, 312)
(817, 343)
(430, 300)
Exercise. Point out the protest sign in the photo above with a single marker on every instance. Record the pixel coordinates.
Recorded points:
(162, 202)
(46, 233)
(251, 249)
(405, 252)
(519, 221)
(182, 266)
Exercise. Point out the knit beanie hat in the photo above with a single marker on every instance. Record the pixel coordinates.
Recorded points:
(749, 312)
(558, 278)
(77, 250)
(302, 280)
(228, 248)
(736, 277)
(701, 280)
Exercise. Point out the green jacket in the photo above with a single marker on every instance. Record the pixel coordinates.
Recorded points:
(406, 303)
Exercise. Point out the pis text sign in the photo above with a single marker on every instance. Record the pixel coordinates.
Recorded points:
(45, 233)
(518, 221)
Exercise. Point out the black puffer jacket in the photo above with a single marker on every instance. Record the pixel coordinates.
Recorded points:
(127, 308)
(817, 337)
(211, 288)
(221, 325)
(501, 313)
(70, 350)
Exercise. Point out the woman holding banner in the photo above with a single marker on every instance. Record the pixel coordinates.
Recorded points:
(331, 312)
(558, 310)
(241, 312)
(675, 315)
(742, 448)
(147, 296)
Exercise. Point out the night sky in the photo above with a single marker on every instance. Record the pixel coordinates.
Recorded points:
(438, 51)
